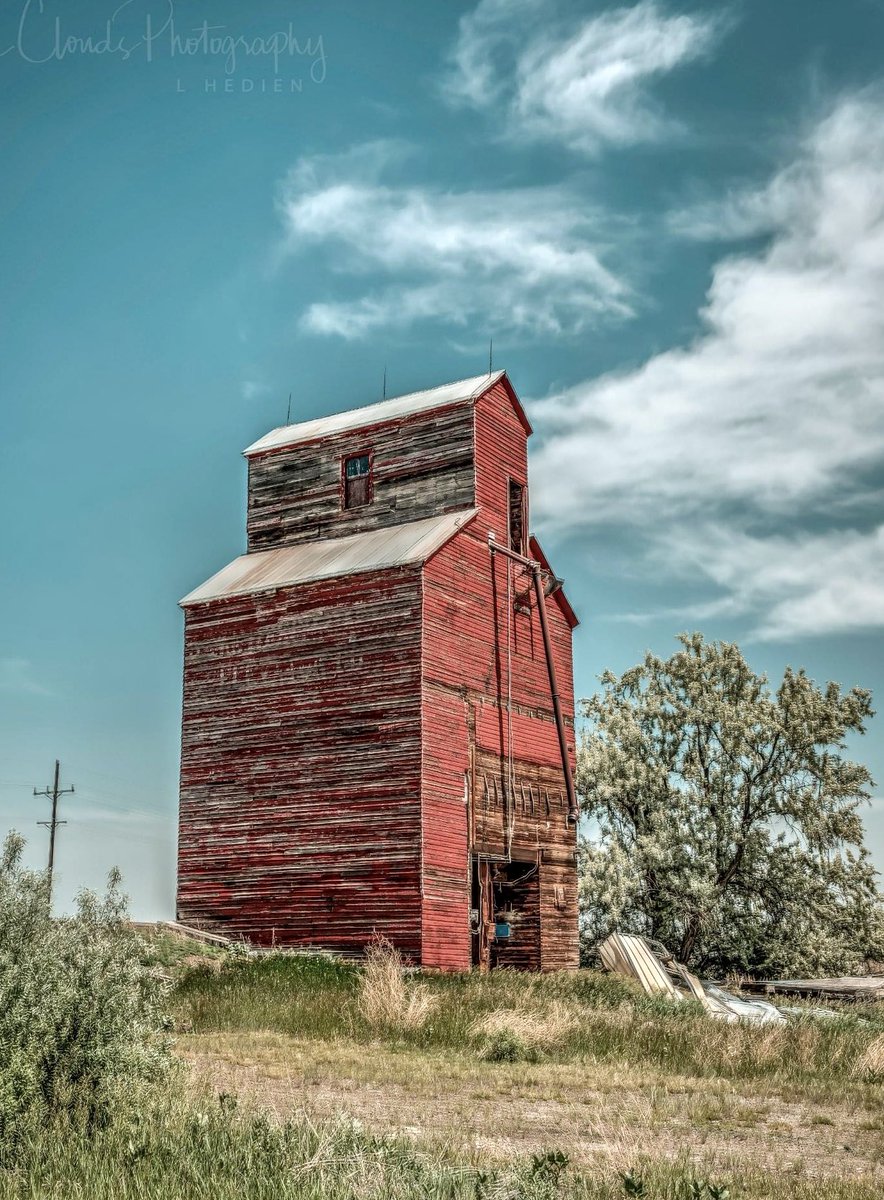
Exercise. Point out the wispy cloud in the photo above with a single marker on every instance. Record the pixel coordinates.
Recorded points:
(530, 260)
(773, 415)
(19, 677)
(791, 585)
(253, 389)
(586, 83)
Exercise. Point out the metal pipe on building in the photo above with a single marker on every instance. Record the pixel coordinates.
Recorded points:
(537, 571)
(573, 811)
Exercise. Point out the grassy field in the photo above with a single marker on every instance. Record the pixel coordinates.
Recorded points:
(198, 1153)
(305, 1078)
(504, 1069)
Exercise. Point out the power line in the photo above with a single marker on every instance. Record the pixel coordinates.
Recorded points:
(81, 770)
(111, 800)
(54, 823)
(122, 813)
(124, 780)
(130, 836)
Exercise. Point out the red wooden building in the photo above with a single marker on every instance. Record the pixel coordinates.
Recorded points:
(372, 740)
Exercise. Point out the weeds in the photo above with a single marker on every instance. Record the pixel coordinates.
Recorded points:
(538, 1029)
(386, 1000)
(179, 1149)
(870, 1064)
(687, 1187)
(504, 1046)
(572, 1016)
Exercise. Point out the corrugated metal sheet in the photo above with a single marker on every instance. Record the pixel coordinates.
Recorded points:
(629, 955)
(391, 546)
(373, 414)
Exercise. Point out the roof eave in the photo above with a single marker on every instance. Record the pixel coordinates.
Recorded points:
(559, 594)
(267, 444)
(417, 564)
(460, 520)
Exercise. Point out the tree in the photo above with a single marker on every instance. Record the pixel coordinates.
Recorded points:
(725, 817)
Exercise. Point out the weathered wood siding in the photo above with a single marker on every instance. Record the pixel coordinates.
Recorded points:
(421, 467)
(301, 761)
(347, 744)
(467, 677)
(445, 784)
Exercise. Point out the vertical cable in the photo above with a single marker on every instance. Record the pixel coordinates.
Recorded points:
(510, 782)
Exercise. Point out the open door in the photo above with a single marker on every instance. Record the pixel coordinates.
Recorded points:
(506, 920)
(482, 919)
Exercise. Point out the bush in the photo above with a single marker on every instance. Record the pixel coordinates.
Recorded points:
(504, 1046)
(81, 1008)
(386, 1001)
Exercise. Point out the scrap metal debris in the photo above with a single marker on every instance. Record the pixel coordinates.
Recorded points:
(662, 975)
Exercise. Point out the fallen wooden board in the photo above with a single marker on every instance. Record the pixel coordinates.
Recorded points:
(196, 935)
(845, 987)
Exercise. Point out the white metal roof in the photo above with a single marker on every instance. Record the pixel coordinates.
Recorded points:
(373, 414)
(390, 546)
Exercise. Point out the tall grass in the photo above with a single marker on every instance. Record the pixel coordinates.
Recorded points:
(386, 1000)
(210, 1150)
(596, 1017)
(535, 1029)
(278, 992)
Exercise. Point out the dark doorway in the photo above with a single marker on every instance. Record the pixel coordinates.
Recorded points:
(505, 925)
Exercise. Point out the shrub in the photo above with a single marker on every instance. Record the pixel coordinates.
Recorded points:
(81, 1022)
(504, 1046)
(386, 1001)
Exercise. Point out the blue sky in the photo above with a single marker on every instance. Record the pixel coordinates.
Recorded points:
(670, 218)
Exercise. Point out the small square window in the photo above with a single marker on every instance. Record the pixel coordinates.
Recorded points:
(357, 481)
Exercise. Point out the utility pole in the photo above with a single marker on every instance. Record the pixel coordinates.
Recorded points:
(53, 824)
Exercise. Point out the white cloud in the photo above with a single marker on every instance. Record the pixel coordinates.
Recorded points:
(527, 260)
(585, 84)
(253, 389)
(17, 675)
(775, 412)
(794, 585)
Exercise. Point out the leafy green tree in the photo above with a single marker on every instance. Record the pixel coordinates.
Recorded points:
(81, 1007)
(725, 817)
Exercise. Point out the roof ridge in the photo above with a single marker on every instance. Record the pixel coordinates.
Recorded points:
(354, 418)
